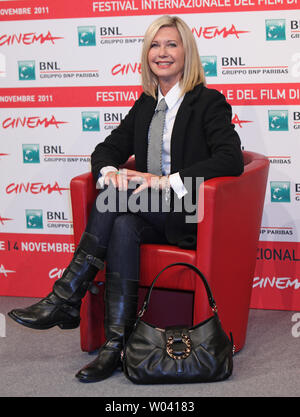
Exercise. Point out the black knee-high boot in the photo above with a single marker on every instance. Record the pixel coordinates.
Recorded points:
(62, 306)
(121, 301)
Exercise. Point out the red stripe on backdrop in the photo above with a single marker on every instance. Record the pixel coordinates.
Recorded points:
(69, 96)
(53, 9)
(260, 94)
(30, 263)
(276, 283)
(125, 96)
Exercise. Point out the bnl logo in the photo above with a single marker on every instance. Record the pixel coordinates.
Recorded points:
(275, 29)
(278, 120)
(31, 153)
(90, 121)
(209, 64)
(26, 70)
(280, 192)
(86, 35)
(34, 219)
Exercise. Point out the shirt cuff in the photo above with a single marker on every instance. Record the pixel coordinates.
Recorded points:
(103, 172)
(177, 185)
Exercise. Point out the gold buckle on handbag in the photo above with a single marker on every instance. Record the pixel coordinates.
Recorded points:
(187, 351)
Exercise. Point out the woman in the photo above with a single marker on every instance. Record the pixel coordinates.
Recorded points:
(198, 140)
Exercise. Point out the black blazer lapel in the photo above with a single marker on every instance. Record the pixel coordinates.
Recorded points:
(142, 127)
(180, 125)
(178, 135)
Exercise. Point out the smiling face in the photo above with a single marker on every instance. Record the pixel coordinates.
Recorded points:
(166, 56)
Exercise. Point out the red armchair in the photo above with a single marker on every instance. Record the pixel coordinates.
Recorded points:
(226, 253)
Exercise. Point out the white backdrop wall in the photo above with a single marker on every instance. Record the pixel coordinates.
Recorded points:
(70, 71)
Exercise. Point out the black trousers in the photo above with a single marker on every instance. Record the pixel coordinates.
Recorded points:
(121, 227)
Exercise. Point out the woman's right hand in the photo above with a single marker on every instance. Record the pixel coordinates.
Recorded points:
(118, 179)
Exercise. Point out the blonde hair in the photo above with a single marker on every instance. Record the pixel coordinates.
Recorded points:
(193, 73)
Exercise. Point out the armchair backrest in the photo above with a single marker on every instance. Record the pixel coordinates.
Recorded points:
(233, 208)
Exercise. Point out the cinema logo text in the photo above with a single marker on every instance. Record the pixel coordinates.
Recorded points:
(279, 283)
(239, 122)
(4, 219)
(56, 273)
(125, 69)
(212, 32)
(28, 38)
(34, 188)
(31, 122)
(4, 272)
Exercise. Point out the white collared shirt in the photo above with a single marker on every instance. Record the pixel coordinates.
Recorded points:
(173, 100)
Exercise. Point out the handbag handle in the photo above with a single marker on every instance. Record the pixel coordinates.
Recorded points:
(211, 300)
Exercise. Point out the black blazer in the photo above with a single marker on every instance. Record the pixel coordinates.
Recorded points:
(204, 144)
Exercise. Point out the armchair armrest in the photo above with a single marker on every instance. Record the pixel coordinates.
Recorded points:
(83, 194)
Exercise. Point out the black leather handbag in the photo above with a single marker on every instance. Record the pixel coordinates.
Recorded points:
(202, 353)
